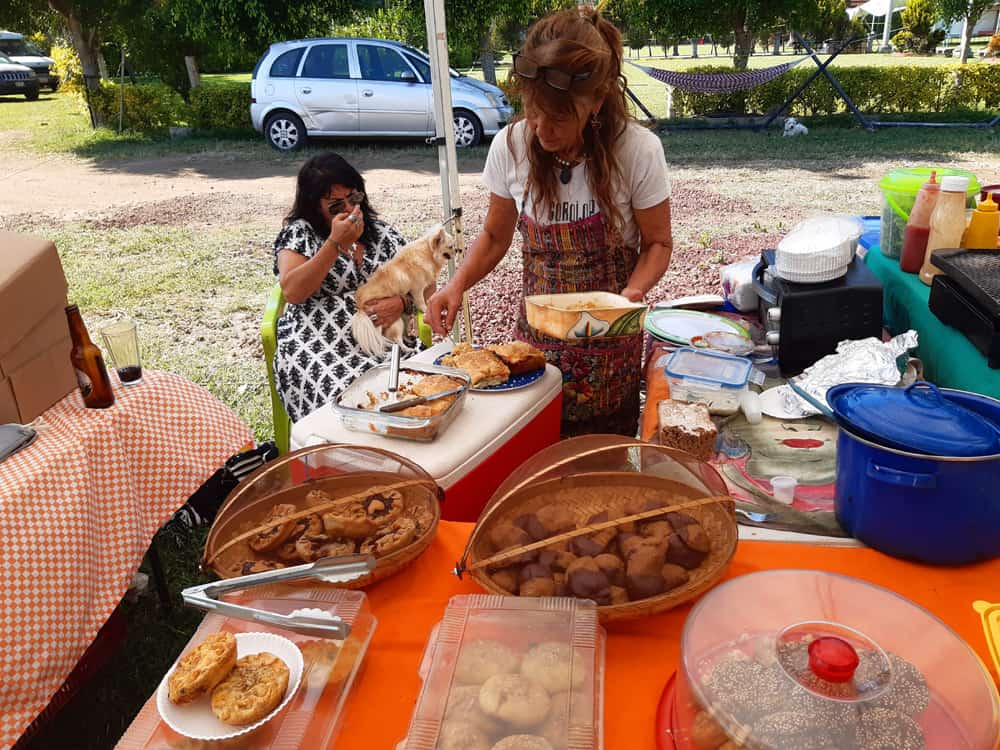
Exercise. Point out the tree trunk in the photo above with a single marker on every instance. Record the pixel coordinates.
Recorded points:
(87, 46)
(194, 76)
(486, 58)
(743, 48)
(966, 47)
(676, 51)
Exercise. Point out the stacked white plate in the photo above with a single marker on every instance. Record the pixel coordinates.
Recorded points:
(818, 249)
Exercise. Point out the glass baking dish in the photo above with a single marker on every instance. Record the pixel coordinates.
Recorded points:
(486, 649)
(373, 385)
(313, 717)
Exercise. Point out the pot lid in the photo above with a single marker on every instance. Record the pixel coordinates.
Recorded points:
(917, 419)
(793, 659)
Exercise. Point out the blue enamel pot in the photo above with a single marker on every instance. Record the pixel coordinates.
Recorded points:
(937, 509)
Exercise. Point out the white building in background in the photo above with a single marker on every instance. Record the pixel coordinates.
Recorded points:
(987, 25)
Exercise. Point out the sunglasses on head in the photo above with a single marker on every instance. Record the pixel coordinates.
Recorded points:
(560, 80)
(340, 205)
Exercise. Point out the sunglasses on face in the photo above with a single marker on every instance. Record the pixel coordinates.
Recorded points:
(343, 205)
(560, 80)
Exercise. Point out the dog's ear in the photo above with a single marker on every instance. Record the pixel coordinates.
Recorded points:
(437, 239)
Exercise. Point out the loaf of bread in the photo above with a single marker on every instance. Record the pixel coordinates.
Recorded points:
(687, 427)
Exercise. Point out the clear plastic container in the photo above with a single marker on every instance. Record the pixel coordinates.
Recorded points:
(371, 389)
(793, 659)
(313, 717)
(712, 378)
(499, 666)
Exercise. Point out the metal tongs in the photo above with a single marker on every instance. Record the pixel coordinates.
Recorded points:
(342, 569)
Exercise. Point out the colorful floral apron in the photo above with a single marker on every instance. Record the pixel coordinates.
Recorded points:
(601, 375)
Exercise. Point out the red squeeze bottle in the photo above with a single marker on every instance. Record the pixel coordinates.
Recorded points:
(918, 226)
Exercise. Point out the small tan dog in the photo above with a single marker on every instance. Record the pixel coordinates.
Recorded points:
(413, 269)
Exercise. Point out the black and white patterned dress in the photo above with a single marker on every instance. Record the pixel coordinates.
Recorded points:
(317, 356)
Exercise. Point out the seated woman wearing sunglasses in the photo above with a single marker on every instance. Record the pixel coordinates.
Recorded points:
(589, 191)
(332, 242)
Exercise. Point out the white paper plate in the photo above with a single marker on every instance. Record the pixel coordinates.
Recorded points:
(772, 403)
(196, 720)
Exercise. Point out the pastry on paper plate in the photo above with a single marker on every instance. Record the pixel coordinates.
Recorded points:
(252, 690)
(202, 668)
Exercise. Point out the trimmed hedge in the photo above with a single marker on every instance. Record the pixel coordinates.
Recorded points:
(148, 107)
(221, 106)
(887, 89)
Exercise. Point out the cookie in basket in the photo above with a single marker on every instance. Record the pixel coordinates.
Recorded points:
(389, 539)
(278, 532)
(360, 517)
(253, 689)
(202, 668)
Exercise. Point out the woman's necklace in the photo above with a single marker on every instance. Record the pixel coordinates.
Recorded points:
(566, 171)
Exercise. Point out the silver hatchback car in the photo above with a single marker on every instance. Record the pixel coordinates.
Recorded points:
(362, 87)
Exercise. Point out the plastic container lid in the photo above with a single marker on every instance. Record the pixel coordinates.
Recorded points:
(794, 659)
(910, 180)
(956, 184)
(918, 419)
(712, 368)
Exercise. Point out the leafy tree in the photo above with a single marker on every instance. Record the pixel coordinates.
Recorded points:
(955, 10)
(918, 34)
(747, 20)
(825, 19)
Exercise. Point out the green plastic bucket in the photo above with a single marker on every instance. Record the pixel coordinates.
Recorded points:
(899, 192)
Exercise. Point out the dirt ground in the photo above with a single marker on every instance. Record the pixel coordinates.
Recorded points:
(720, 215)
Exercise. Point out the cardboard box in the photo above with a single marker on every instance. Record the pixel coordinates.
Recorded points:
(32, 284)
(8, 406)
(49, 332)
(38, 384)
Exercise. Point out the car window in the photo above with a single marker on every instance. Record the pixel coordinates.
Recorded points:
(287, 63)
(327, 61)
(381, 64)
(422, 68)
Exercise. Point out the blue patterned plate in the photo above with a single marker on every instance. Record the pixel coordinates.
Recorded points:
(513, 382)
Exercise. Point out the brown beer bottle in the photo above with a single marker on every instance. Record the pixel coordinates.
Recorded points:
(95, 385)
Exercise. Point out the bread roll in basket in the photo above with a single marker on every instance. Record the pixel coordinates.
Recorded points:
(639, 528)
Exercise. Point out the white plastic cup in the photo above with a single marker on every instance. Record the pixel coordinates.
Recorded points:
(784, 489)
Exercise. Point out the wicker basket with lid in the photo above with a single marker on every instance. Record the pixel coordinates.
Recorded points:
(341, 472)
(591, 474)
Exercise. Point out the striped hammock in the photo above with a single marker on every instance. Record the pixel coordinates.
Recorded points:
(718, 83)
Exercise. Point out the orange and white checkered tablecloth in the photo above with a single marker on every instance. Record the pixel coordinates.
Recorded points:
(78, 509)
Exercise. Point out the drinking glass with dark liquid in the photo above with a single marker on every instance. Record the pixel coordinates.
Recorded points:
(122, 342)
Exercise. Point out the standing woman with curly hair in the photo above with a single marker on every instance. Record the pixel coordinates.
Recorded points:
(588, 189)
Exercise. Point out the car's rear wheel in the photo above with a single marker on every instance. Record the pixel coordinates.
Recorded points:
(31, 94)
(285, 131)
(468, 131)
(53, 87)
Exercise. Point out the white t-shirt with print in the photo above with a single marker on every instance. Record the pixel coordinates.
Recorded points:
(646, 182)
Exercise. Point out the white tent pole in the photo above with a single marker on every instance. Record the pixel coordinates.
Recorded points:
(444, 129)
(887, 30)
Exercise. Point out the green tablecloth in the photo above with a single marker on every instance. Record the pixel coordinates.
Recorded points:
(950, 360)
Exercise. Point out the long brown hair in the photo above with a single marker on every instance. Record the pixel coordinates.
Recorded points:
(577, 41)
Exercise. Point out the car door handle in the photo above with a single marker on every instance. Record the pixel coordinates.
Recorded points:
(307, 91)
(367, 92)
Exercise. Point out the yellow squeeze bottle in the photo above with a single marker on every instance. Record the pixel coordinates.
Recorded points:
(983, 227)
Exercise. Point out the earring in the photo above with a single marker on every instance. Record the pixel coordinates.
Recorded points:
(594, 122)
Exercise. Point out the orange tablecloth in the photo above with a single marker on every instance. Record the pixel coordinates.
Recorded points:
(641, 655)
(78, 508)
